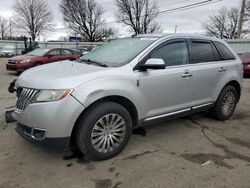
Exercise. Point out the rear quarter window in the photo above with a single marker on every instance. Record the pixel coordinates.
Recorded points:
(225, 53)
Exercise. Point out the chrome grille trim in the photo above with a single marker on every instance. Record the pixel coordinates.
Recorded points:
(12, 61)
(25, 97)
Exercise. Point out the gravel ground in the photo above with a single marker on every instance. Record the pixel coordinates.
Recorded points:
(169, 154)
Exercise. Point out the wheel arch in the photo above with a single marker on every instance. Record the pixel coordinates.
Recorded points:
(236, 85)
(123, 101)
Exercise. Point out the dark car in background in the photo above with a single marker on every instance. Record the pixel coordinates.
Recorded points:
(40, 56)
(245, 58)
(8, 51)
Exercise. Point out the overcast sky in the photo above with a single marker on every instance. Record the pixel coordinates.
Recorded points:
(188, 21)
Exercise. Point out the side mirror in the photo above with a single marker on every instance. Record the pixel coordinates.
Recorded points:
(153, 63)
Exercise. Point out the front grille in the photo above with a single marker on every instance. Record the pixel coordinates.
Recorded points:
(12, 61)
(24, 97)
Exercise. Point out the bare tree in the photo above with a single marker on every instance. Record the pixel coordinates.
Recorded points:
(33, 17)
(139, 15)
(84, 17)
(224, 24)
(4, 25)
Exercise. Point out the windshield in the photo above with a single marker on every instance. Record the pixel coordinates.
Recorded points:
(37, 52)
(118, 52)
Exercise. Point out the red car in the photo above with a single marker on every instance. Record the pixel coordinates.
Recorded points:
(245, 58)
(40, 56)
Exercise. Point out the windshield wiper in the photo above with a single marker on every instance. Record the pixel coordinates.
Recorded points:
(88, 61)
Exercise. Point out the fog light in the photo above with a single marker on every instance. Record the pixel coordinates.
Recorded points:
(38, 133)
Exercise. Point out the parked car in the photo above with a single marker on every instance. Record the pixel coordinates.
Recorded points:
(84, 49)
(124, 84)
(8, 51)
(40, 56)
(245, 58)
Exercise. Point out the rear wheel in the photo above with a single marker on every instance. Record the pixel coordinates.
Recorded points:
(104, 130)
(225, 104)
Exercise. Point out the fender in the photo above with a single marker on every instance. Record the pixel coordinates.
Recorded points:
(94, 90)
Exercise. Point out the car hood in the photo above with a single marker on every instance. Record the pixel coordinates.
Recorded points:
(7, 51)
(22, 57)
(60, 75)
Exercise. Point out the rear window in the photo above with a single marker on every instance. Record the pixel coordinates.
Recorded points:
(225, 53)
(203, 51)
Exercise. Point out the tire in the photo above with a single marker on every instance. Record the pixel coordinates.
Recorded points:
(91, 135)
(225, 104)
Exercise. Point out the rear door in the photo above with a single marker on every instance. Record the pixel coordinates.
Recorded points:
(208, 69)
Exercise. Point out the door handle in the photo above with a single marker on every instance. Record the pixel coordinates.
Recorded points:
(186, 75)
(222, 69)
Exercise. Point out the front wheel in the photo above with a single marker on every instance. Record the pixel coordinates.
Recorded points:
(226, 104)
(104, 130)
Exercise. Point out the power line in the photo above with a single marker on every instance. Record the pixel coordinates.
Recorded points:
(199, 5)
(180, 8)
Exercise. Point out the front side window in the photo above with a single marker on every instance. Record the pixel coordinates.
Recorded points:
(225, 53)
(202, 52)
(172, 54)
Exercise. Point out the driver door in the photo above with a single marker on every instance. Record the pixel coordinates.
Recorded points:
(167, 91)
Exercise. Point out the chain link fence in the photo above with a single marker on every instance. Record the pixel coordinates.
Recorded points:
(19, 45)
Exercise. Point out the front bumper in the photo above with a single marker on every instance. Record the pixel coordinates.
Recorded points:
(57, 119)
(16, 67)
(48, 143)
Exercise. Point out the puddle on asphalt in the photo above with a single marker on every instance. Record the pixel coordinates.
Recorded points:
(105, 183)
(140, 131)
(76, 154)
(201, 158)
(111, 169)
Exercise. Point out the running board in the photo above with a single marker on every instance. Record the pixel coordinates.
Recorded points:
(177, 112)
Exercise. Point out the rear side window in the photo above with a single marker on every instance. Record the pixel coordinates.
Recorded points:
(225, 53)
(66, 52)
(203, 51)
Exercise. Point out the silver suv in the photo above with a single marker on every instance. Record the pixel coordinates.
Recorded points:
(95, 102)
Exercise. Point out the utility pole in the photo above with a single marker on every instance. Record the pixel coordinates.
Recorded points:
(10, 29)
(242, 14)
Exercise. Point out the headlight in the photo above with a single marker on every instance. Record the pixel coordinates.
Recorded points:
(51, 95)
(25, 61)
